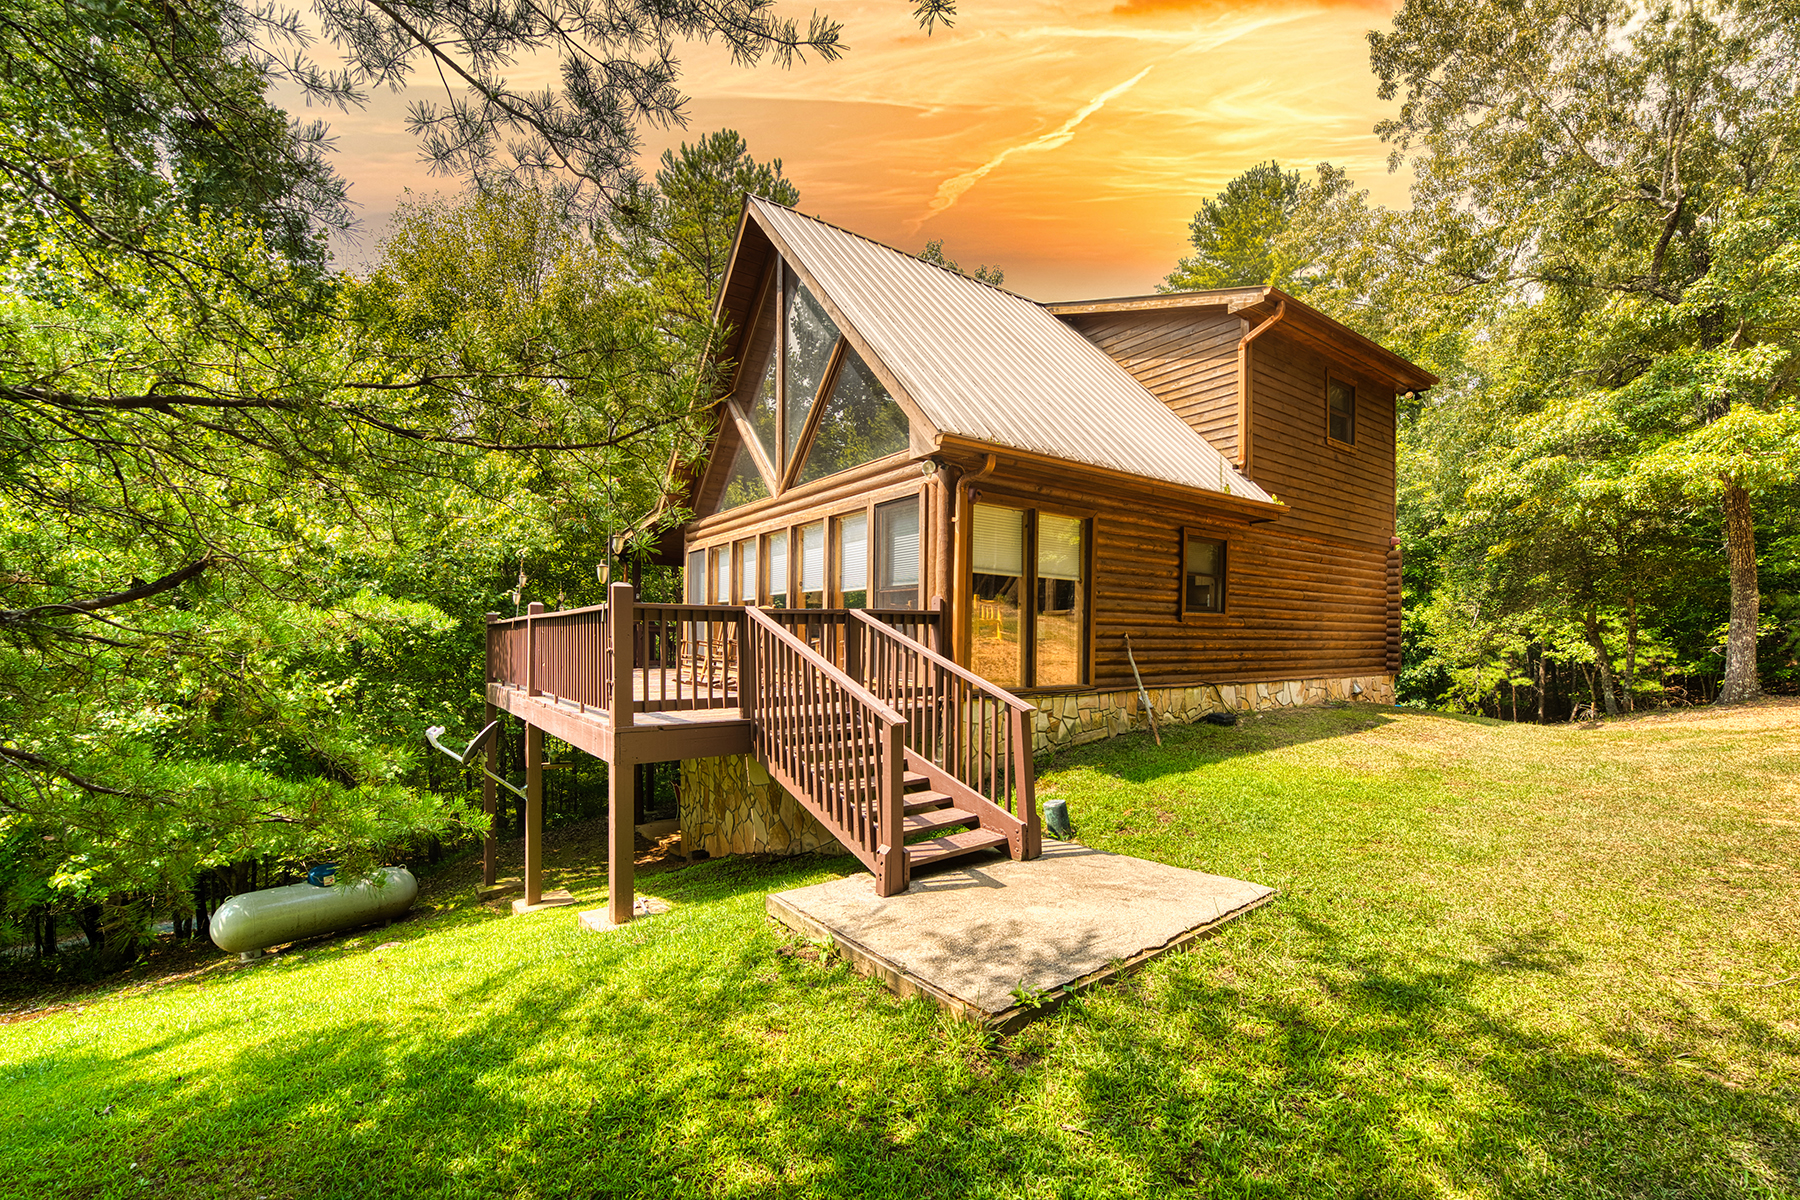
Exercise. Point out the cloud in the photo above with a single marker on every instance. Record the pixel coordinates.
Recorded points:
(952, 189)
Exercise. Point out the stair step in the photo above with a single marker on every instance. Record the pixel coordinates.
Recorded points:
(918, 802)
(937, 850)
(943, 818)
(912, 779)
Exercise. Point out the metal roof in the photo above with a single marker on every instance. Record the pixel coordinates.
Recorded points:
(987, 365)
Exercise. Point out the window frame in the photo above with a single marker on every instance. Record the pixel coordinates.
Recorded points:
(1339, 377)
(1028, 585)
(1217, 538)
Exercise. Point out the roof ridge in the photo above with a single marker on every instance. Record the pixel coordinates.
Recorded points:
(958, 273)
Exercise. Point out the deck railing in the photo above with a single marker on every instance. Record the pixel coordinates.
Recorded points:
(830, 742)
(969, 734)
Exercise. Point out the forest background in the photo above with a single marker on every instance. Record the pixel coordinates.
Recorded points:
(256, 507)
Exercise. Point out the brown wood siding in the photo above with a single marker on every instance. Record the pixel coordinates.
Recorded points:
(1335, 493)
(1187, 359)
(1296, 606)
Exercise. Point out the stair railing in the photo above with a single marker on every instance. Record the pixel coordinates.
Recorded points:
(830, 742)
(969, 737)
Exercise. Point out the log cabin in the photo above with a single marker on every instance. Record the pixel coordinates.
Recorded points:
(969, 528)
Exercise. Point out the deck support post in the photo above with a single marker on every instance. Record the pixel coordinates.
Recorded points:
(490, 807)
(621, 777)
(534, 814)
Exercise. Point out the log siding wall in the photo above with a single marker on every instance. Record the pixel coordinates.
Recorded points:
(1188, 360)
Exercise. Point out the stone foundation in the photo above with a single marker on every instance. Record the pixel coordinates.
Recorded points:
(729, 805)
(1076, 718)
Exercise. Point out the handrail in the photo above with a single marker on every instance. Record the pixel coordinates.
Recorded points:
(970, 737)
(830, 742)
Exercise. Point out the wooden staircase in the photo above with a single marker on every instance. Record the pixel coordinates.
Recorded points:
(916, 764)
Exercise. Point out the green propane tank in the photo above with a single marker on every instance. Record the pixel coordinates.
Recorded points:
(247, 925)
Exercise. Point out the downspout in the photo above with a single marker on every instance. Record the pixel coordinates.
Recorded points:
(1243, 421)
(960, 550)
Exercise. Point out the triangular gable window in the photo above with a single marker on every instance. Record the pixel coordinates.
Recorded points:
(808, 337)
(745, 483)
(860, 424)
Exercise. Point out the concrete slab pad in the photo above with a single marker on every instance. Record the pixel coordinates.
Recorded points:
(599, 920)
(556, 898)
(977, 938)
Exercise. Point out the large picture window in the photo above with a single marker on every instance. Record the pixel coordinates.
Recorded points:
(1028, 592)
(812, 406)
(1202, 574)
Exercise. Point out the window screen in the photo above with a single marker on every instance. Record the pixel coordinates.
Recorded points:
(696, 577)
(778, 569)
(747, 571)
(720, 584)
(1341, 412)
(853, 560)
(897, 555)
(812, 565)
(1203, 575)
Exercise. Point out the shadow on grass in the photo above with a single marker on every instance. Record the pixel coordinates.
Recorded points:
(1137, 758)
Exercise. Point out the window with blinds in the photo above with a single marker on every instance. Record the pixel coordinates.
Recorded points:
(746, 551)
(812, 565)
(1058, 620)
(853, 560)
(720, 582)
(696, 577)
(778, 569)
(897, 571)
(997, 584)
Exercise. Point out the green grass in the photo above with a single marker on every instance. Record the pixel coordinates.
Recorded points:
(1506, 961)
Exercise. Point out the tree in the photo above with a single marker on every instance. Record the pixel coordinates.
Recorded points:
(1235, 233)
(1590, 160)
(934, 253)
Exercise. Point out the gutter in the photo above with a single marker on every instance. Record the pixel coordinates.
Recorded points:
(1243, 355)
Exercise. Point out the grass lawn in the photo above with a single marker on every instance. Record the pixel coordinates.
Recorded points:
(1506, 960)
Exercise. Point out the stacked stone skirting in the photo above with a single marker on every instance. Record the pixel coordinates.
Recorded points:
(729, 805)
(1075, 718)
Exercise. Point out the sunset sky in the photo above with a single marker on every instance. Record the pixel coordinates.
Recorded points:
(1070, 142)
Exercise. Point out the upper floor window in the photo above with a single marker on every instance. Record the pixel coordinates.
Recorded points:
(1340, 411)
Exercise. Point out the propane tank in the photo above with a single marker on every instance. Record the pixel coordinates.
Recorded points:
(247, 925)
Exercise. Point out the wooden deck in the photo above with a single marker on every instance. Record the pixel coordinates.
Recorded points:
(652, 736)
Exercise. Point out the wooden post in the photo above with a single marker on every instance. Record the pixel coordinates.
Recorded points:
(531, 610)
(891, 875)
(621, 850)
(490, 805)
(1024, 786)
(534, 814)
(490, 796)
(621, 620)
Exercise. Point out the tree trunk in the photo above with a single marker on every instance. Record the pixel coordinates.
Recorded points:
(1740, 681)
(1543, 691)
(89, 917)
(1603, 661)
(1631, 654)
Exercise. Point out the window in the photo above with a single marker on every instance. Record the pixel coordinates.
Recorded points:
(720, 584)
(997, 577)
(860, 424)
(853, 560)
(808, 337)
(1059, 620)
(746, 557)
(897, 554)
(696, 577)
(778, 569)
(1340, 411)
(745, 483)
(1202, 574)
(812, 565)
